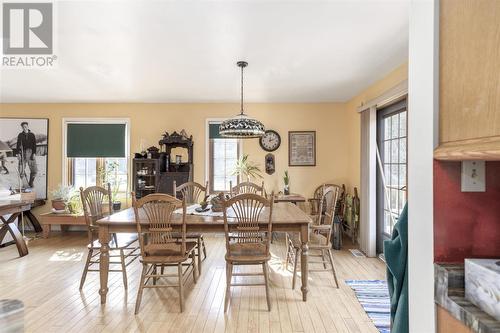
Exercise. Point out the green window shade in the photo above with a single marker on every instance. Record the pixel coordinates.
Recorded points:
(213, 132)
(95, 140)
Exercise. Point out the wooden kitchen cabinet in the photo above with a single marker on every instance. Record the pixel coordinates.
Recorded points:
(469, 80)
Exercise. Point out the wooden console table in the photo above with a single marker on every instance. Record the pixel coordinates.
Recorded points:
(14, 208)
(64, 220)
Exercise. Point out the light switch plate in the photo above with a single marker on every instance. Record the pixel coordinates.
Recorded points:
(473, 176)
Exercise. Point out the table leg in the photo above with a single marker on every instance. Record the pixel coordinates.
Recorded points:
(304, 265)
(46, 230)
(104, 261)
(34, 221)
(16, 235)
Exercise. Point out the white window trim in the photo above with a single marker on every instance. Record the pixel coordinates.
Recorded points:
(66, 121)
(207, 145)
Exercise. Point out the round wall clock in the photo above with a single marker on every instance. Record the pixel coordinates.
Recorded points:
(270, 141)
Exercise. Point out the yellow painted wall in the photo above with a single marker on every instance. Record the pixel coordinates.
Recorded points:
(354, 123)
(149, 121)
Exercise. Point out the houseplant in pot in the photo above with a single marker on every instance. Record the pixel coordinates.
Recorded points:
(61, 195)
(109, 175)
(286, 183)
(246, 168)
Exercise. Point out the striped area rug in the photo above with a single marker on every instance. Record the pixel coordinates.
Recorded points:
(374, 298)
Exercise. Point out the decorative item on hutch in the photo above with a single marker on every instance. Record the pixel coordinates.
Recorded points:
(241, 126)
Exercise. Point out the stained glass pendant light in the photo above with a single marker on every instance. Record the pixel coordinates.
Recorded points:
(241, 126)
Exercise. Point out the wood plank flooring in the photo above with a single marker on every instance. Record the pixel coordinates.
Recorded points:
(47, 282)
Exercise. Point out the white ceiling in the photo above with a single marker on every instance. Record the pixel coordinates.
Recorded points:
(185, 51)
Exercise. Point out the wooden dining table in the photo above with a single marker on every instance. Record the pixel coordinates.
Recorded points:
(14, 208)
(286, 217)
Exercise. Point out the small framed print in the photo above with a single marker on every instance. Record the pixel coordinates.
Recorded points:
(302, 148)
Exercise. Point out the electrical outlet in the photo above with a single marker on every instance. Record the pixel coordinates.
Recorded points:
(473, 176)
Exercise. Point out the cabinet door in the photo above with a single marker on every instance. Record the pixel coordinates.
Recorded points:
(469, 68)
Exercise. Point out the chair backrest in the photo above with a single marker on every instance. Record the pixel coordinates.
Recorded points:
(192, 192)
(251, 226)
(246, 187)
(327, 204)
(156, 231)
(96, 203)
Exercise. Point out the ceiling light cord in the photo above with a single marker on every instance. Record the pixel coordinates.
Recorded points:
(241, 111)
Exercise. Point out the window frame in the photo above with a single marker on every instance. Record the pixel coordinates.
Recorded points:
(67, 167)
(208, 160)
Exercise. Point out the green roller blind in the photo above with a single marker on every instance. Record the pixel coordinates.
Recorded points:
(213, 132)
(95, 140)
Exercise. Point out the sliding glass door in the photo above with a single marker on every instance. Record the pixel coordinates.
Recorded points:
(392, 144)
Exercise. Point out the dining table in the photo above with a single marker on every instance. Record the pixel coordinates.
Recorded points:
(286, 217)
(13, 209)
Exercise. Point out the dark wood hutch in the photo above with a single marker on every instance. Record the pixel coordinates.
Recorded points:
(157, 174)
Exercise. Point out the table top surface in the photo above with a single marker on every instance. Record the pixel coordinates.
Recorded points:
(14, 203)
(283, 213)
(289, 198)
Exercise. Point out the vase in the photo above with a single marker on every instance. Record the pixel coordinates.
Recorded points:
(286, 189)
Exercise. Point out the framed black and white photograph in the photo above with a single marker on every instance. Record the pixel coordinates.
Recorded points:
(24, 155)
(302, 148)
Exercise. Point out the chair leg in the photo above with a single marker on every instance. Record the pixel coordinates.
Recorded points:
(287, 255)
(86, 269)
(198, 250)
(124, 269)
(296, 261)
(229, 274)
(155, 271)
(266, 279)
(115, 239)
(333, 267)
(195, 268)
(141, 287)
(181, 286)
(323, 258)
(204, 248)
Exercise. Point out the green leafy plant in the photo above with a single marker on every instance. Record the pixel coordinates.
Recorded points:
(63, 193)
(286, 179)
(109, 174)
(246, 168)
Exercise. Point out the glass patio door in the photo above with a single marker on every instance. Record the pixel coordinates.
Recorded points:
(392, 143)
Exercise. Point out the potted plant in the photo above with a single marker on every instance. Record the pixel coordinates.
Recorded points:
(61, 196)
(109, 174)
(286, 182)
(246, 168)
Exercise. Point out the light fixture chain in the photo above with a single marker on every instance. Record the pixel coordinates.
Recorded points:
(241, 111)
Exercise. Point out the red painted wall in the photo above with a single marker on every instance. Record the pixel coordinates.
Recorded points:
(466, 225)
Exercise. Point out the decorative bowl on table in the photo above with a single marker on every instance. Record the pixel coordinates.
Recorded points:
(217, 202)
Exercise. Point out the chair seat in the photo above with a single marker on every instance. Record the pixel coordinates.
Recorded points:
(189, 235)
(124, 241)
(168, 256)
(247, 252)
(316, 241)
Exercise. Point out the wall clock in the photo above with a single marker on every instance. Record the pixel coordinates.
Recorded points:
(270, 141)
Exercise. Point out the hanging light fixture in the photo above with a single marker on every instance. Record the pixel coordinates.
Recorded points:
(241, 126)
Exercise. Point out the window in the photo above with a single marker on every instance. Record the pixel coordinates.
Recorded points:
(87, 172)
(392, 143)
(99, 158)
(222, 157)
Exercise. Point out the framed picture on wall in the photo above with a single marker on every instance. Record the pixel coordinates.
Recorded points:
(24, 155)
(302, 148)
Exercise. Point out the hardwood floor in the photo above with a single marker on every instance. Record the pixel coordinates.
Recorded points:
(47, 282)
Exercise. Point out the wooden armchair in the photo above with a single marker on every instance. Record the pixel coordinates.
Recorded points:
(159, 247)
(247, 187)
(193, 193)
(251, 246)
(319, 238)
(315, 200)
(96, 203)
